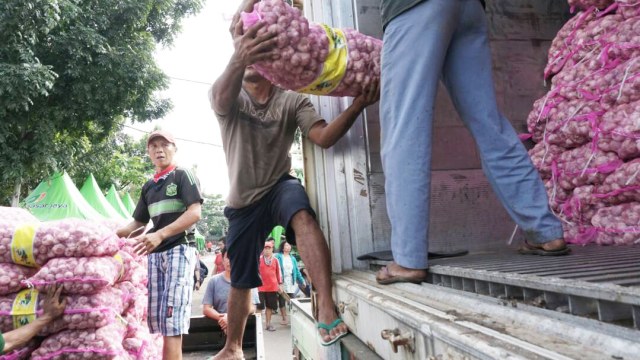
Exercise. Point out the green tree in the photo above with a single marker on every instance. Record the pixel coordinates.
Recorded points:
(118, 160)
(213, 223)
(70, 70)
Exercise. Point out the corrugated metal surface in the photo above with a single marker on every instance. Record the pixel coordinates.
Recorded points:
(618, 265)
(595, 282)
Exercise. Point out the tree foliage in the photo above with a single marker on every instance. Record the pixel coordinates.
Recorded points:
(71, 70)
(213, 223)
(118, 160)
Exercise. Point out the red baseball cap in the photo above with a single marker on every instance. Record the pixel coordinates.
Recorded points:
(163, 134)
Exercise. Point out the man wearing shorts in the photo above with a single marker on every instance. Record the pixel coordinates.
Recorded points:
(172, 201)
(258, 122)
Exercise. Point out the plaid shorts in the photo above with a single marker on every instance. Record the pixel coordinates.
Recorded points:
(171, 290)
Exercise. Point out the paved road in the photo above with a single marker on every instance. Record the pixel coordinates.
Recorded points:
(277, 343)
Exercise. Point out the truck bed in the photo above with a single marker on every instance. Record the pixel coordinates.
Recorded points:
(499, 304)
(599, 282)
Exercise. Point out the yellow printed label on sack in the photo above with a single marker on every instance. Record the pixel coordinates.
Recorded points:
(334, 66)
(22, 245)
(119, 258)
(24, 307)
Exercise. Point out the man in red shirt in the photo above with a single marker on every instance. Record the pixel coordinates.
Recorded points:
(271, 281)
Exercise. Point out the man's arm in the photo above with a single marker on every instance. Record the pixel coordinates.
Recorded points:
(132, 229)
(148, 242)
(52, 308)
(210, 312)
(249, 49)
(326, 135)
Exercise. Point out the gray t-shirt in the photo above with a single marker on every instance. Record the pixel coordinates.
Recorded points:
(217, 293)
(257, 139)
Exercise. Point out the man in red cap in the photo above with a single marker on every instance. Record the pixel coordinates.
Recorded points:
(269, 269)
(172, 201)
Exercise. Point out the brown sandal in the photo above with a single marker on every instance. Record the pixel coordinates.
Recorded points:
(537, 249)
(384, 277)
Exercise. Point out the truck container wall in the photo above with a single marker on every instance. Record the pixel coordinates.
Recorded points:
(346, 182)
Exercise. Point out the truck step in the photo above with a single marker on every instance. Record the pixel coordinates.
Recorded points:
(432, 322)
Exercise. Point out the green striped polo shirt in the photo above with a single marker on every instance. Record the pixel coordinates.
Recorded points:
(165, 201)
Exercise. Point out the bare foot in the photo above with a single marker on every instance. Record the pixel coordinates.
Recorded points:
(394, 273)
(554, 245)
(327, 315)
(226, 354)
(552, 248)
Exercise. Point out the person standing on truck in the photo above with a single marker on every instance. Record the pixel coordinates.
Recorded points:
(258, 123)
(172, 200)
(425, 41)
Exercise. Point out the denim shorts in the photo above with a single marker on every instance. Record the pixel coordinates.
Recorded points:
(250, 226)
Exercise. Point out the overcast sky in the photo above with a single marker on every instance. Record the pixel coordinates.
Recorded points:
(198, 56)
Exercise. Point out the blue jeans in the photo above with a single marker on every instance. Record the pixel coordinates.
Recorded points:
(448, 39)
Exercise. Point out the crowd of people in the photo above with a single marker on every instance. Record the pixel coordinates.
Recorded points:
(282, 280)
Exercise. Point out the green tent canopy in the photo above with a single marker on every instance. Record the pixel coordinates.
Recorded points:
(58, 198)
(199, 240)
(92, 193)
(276, 234)
(114, 199)
(128, 203)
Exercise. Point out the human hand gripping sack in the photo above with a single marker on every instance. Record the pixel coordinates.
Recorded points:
(251, 47)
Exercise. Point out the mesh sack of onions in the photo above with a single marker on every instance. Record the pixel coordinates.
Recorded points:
(315, 58)
(11, 276)
(79, 275)
(34, 244)
(104, 343)
(136, 310)
(81, 312)
(140, 343)
(618, 225)
(583, 166)
(16, 214)
(623, 185)
(619, 131)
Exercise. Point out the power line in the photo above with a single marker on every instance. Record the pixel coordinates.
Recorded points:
(189, 80)
(187, 140)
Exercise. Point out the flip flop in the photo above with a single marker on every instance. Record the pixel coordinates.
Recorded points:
(537, 249)
(270, 328)
(391, 279)
(328, 328)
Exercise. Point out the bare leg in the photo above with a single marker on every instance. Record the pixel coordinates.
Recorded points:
(172, 348)
(268, 313)
(239, 310)
(315, 253)
(283, 312)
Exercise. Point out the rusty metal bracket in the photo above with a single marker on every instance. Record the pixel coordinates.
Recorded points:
(398, 338)
(351, 306)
